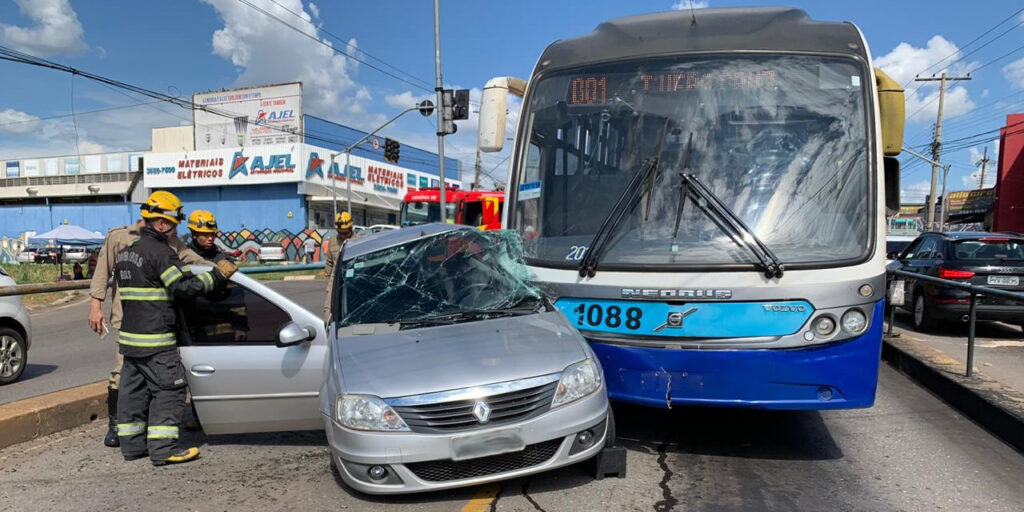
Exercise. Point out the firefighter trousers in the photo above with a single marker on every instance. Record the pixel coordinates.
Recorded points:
(150, 403)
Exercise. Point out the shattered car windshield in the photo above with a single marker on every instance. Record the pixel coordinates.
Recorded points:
(456, 272)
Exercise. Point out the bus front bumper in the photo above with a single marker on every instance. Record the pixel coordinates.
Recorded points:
(840, 375)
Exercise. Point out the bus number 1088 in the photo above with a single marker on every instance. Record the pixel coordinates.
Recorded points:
(613, 317)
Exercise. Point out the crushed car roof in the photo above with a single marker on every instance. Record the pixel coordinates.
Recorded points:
(365, 244)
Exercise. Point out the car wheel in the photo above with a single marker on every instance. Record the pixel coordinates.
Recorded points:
(13, 355)
(923, 320)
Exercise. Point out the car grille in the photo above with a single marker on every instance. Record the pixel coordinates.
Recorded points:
(458, 415)
(447, 470)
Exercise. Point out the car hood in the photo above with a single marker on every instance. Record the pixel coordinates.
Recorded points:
(440, 358)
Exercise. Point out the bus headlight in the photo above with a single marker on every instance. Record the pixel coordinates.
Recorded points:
(854, 321)
(824, 326)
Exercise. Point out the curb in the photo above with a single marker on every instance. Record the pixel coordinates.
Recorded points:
(38, 416)
(299, 278)
(992, 405)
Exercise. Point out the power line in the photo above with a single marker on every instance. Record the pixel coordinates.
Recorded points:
(96, 111)
(351, 46)
(972, 41)
(332, 48)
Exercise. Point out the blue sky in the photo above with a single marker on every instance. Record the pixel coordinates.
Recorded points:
(196, 45)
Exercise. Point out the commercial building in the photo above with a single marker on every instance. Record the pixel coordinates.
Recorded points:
(251, 157)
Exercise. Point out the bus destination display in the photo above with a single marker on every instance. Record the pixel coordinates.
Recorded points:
(593, 89)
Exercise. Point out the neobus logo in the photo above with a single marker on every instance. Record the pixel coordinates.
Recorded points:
(665, 293)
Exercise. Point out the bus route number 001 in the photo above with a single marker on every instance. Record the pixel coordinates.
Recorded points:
(594, 315)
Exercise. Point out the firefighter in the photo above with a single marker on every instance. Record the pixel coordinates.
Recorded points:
(225, 318)
(343, 222)
(203, 226)
(117, 239)
(150, 277)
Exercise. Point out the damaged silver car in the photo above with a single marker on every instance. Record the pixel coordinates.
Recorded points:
(447, 368)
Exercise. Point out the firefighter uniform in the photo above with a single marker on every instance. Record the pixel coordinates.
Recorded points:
(117, 240)
(342, 221)
(224, 319)
(151, 401)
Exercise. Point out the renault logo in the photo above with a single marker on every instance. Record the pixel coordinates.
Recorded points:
(482, 411)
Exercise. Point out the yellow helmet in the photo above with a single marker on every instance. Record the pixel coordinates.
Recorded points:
(163, 204)
(202, 221)
(343, 220)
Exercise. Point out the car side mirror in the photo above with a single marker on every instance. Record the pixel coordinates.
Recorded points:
(892, 184)
(292, 334)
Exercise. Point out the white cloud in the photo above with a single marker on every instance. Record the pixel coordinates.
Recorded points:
(971, 181)
(407, 99)
(905, 61)
(687, 4)
(315, 10)
(1014, 72)
(265, 52)
(56, 29)
(914, 192)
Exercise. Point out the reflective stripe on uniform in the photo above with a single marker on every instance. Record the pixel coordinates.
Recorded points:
(130, 429)
(219, 329)
(170, 275)
(207, 279)
(186, 268)
(162, 432)
(128, 293)
(147, 340)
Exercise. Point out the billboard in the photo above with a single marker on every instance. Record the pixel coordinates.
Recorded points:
(970, 205)
(234, 166)
(13, 169)
(253, 116)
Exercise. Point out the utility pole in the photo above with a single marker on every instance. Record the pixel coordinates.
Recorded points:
(439, 87)
(479, 165)
(937, 144)
(984, 160)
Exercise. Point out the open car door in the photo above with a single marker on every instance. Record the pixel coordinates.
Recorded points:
(241, 377)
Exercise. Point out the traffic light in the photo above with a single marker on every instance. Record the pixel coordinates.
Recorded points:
(454, 107)
(391, 150)
(460, 106)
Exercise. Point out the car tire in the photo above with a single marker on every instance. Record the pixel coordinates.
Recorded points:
(13, 355)
(923, 319)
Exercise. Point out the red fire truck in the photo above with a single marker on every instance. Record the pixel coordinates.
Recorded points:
(481, 208)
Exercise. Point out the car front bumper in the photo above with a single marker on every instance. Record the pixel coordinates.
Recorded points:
(423, 462)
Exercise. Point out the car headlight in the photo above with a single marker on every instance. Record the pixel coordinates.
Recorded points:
(578, 380)
(365, 412)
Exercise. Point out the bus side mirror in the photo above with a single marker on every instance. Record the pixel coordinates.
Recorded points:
(892, 184)
(494, 111)
(892, 112)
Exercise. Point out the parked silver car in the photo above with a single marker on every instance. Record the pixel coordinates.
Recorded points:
(445, 368)
(15, 334)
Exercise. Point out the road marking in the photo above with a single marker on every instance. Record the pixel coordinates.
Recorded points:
(483, 498)
(1000, 344)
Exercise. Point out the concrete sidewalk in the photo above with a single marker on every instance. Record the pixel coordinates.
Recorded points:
(991, 403)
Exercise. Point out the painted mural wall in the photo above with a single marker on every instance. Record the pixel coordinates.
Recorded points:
(248, 242)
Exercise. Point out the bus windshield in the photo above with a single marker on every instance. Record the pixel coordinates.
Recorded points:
(782, 140)
(424, 212)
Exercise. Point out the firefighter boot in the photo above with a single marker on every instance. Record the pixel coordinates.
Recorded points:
(178, 457)
(111, 439)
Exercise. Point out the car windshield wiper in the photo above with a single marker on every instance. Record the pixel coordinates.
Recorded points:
(724, 218)
(469, 314)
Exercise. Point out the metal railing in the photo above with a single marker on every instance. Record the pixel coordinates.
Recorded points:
(973, 289)
(29, 289)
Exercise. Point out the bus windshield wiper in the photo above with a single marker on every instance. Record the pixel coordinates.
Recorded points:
(726, 220)
(629, 196)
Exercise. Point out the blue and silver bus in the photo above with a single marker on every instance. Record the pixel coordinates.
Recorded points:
(704, 195)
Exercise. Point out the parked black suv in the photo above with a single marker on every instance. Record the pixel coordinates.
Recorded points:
(987, 259)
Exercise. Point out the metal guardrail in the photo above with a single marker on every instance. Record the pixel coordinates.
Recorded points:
(29, 289)
(975, 291)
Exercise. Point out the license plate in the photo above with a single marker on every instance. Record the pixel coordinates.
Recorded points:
(1004, 280)
(488, 443)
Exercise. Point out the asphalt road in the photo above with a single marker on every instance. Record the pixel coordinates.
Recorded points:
(65, 353)
(909, 452)
(998, 347)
